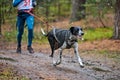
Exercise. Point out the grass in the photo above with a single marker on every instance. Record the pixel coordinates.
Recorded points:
(91, 34)
(7, 72)
(98, 33)
(8, 59)
(10, 36)
(100, 69)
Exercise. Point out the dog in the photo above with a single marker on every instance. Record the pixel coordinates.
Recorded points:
(64, 39)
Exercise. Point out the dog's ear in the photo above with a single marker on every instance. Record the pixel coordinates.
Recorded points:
(72, 29)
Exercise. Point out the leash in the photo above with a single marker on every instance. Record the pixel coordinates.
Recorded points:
(40, 19)
(45, 22)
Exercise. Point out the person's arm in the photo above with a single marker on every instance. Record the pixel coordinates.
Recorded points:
(16, 2)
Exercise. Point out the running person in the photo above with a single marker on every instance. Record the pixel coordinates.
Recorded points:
(24, 8)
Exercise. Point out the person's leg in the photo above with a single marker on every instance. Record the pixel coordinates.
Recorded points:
(20, 29)
(30, 24)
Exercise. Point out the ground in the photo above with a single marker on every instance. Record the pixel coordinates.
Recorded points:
(101, 60)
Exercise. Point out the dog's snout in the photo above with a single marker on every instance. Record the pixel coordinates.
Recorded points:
(82, 33)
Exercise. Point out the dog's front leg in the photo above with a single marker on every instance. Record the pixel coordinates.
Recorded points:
(60, 58)
(77, 54)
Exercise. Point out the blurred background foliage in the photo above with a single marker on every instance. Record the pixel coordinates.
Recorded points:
(55, 11)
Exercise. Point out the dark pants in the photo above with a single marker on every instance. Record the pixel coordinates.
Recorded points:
(21, 19)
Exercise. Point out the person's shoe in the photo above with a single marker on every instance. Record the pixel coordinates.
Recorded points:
(18, 50)
(30, 49)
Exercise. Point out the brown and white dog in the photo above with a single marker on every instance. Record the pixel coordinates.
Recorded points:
(64, 39)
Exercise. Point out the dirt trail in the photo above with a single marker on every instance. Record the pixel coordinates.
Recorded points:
(38, 66)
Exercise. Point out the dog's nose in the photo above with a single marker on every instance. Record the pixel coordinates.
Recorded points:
(82, 33)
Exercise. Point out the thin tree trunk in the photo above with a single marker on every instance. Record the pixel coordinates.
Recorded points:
(0, 21)
(78, 10)
(117, 21)
(100, 19)
(3, 12)
(59, 10)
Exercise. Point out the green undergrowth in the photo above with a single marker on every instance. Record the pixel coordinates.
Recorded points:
(100, 69)
(91, 34)
(7, 59)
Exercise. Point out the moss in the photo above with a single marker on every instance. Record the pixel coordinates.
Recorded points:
(8, 72)
(8, 59)
(100, 69)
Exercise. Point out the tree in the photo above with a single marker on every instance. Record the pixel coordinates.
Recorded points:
(78, 10)
(0, 21)
(117, 20)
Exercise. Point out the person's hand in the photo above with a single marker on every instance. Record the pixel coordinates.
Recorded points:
(16, 2)
(34, 3)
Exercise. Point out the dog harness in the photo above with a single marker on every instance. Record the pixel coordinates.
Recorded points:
(64, 35)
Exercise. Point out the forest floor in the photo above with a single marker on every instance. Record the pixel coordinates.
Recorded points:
(101, 59)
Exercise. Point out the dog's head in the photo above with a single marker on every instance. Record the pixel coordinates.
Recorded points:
(77, 31)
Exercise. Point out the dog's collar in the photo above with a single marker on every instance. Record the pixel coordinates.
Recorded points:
(70, 43)
(73, 38)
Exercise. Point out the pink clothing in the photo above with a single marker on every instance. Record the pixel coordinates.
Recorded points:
(25, 4)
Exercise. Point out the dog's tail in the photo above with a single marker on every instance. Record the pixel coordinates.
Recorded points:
(43, 32)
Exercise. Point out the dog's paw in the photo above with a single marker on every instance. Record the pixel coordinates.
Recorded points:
(55, 65)
(50, 55)
(82, 66)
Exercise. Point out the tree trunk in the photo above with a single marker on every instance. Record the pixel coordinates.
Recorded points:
(59, 9)
(117, 20)
(100, 18)
(78, 10)
(0, 20)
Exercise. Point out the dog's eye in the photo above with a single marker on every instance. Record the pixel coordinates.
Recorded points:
(81, 29)
(78, 30)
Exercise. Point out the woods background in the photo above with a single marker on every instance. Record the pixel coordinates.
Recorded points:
(73, 10)
(100, 49)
